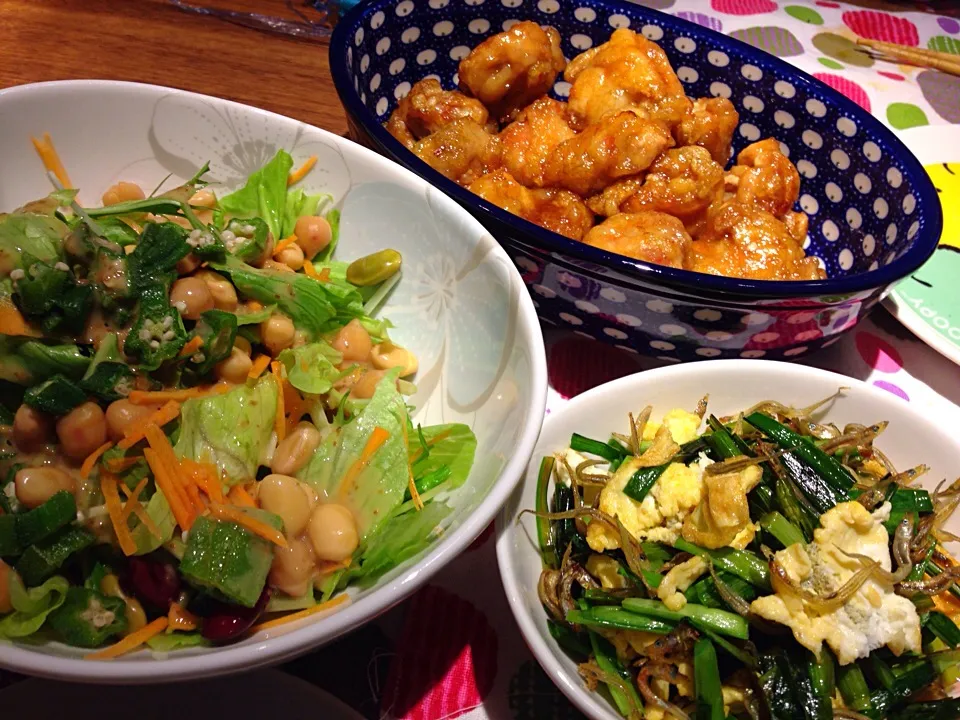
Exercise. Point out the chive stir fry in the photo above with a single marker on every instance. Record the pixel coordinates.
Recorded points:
(766, 565)
(204, 428)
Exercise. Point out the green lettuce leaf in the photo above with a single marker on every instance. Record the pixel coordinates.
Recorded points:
(379, 487)
(311, 368)
(31, 607)
(158, 510)
(399, 538)
(37, 236)
(315, 307)
(230, 430)
(166, 642)
(454, 449)
(300, 203)
(265, 194)
(280, 602)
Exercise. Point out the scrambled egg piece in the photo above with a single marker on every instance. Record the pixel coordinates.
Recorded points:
(676, 582)
(873, 617)
(676, 493)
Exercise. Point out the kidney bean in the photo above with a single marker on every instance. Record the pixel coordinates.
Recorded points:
(228, 622)
(155, 583)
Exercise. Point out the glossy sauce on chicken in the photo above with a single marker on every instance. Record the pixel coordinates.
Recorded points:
(629, 164)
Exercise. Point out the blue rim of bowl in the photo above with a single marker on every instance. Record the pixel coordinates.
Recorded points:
(924, 244)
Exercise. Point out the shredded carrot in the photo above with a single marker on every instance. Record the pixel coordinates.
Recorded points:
(411, 483)
(254, 306)
(193, 344)
(324, 275)
(131, 641)
(111, 496)
(206, 478)
(329, 604)
(259, 365)
(160, 417)
(284, 244)
(180, 512)
(298, 174)
(181, 619)
(51, 160)
(229, 514)
(147, 521)
(279, 420)
(193, 492)
(377, 438)
(92, 458)
(12, 321)
(431, 442)
(325, 567)
(133, 497)
(148, 397)
(239, 496)
(294, 406)
(119, 465)
(310, 270)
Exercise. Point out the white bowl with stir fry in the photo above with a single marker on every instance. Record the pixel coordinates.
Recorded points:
(258, 383)
(782, 546)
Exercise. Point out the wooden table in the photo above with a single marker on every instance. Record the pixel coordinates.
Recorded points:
(152, 41)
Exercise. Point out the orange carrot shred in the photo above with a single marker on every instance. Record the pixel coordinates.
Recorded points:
(284, 244)
(121, 464)
(170, 467)
(239, 496)
(411, 484)
(310, 270)
(12, 321)
(131, 641)
(377, 438)
(111, 496)
(324, 275)
(193, 344)
(51, 160)
(279, 420)
(148, 397)
(301, 172)
(181, 619)
(254, 306)
(133, 497)
(259, 365)
(430, 443)
(92, 458)
(329, 604)
(170, 411)
(229, 514)
(180, 513)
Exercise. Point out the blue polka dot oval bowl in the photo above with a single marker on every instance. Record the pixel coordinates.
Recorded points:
(874, 215)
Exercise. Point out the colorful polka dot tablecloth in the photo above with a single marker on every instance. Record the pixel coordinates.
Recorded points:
(453, 650)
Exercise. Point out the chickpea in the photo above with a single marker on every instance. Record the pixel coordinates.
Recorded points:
(333, 532)
(185, 265)
(289, 498)
(235, 368)
(277, 333)
(386, 355)
(364, 388)
(5, 604)
(300, 338)
(353, 342)
(222, 290)
(293, 568)
(192, 297)
(261, 259)
(122, 192)
(82, 430)
(313, 234)
(34, 486)
(32, 429)
(296, 449)
(123, 416)
(203, 198)
(291, 256)
(243, 345)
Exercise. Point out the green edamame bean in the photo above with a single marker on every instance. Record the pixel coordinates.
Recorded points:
(375, 268)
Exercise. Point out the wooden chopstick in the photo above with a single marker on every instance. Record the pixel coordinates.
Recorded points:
(945, 62)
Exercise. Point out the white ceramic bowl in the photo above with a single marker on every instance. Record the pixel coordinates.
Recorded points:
(460, 306)
(913, 437)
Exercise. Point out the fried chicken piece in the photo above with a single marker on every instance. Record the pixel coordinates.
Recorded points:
(627, 71)
(710, 123)
(553, 209)
(527, 141)
(684, 182)
(462, 150)
(511, 69)
(653, 237)
(428, 107)
(765, 177)
(622, 145)
(745, 241)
